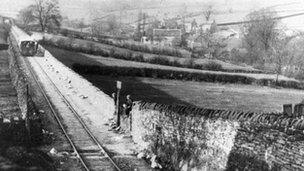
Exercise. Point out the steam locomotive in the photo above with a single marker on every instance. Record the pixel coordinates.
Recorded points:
(27, 45)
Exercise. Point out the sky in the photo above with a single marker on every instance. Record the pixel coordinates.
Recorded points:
(83, 8)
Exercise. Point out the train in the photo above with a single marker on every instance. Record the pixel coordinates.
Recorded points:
(27, 45)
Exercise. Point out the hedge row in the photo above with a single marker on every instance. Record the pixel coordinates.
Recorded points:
(160, 73)
(182, 75)
(135, 46)
(270, 120)
(76, 48)
(128, 55)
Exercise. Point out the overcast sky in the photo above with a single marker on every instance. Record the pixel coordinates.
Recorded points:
(80, 8)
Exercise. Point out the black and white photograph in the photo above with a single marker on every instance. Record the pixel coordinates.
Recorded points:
(151, 85)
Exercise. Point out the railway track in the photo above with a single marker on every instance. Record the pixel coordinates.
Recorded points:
(90, 153)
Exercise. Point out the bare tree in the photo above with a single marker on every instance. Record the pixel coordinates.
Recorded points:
(259, 34)
(208, 12)
(294, 66)
(106, 25)
(113, 25)
(26, 16)
(81, 24)
(45, 12)
(280, 55)
(48, 14)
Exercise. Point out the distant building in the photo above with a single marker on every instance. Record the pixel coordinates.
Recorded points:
(167, 37)
(145, 40)
(227, 36)
(193, 26)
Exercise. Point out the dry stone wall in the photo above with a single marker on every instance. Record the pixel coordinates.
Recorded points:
(20, 82)
(185, 141)
(218, 139)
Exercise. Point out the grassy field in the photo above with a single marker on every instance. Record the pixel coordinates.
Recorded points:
(69, 57)
(201, 94)
(208, 95)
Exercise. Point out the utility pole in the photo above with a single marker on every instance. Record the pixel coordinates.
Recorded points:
(144, 23)
(184, 19)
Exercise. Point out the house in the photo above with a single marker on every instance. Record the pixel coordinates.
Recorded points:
(167, 37)
(145, 40)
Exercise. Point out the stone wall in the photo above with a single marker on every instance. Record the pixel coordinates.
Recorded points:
(30, 129)
(259, 148)
(18, 75)
(185, 140)
(218, 139)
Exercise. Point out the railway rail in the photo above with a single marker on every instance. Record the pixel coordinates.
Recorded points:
(95, 157)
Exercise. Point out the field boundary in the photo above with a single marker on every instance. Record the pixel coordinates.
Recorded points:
(227, 139)
(272, 120)
(220, 77)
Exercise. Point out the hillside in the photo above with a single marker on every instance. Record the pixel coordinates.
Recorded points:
(79, 44)
(70, 58)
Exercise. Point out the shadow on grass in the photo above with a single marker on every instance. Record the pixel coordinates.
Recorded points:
(131, 85)
(136, 88)
(69, 58)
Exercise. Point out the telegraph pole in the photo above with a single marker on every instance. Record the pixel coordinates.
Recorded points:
(144, 23)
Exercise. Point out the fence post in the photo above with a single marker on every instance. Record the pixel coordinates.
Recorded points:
(287, 110)
(27, 121)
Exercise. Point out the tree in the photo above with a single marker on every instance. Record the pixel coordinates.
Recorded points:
(81, 24)
(26, 16)
(208, 12)
(113, 25)
(280, 55)
(45, 12)
(212, 46)
(259, 33)
(106, 25)
(295, 62)
(215, 47)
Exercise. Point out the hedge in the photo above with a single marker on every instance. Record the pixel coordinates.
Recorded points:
(160, 73)
(182, 75)
(125, 44)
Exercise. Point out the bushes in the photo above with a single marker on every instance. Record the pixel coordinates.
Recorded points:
(139, 58)
(159, 60)
(213, 66)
